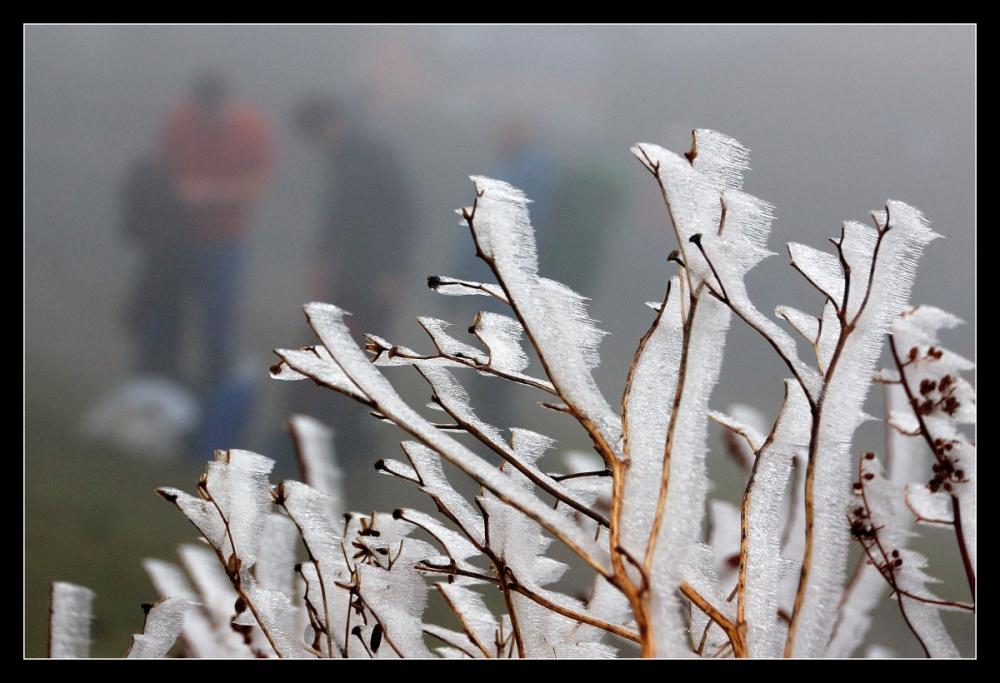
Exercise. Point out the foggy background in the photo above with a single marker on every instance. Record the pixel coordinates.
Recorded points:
(838, 119)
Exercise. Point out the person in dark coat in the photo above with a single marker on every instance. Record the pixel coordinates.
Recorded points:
(365, 236)
(157, 222)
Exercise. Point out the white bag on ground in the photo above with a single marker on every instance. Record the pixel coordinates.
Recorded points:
(148, 415)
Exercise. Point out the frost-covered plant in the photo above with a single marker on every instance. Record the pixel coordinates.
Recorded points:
(769, 582)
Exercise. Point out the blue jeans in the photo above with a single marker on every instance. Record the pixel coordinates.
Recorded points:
(208, 275)
(215, 270)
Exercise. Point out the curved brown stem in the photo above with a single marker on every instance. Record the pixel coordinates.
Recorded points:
(846, 329)
(732, 632)
(970, 573)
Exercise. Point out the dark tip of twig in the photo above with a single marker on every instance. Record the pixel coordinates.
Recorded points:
(692, 153)
(278, 494)
(397, 513)
(169, 497)
(433, 281)
(695, 239)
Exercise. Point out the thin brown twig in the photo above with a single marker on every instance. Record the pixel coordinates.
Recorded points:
(635, 596)
(846, 329)
(566, 540)
(917, 517)
(526, 380)
(451, 643)
(572, 614)
(608, 453)
(507, 454)
(671, 429)
(236, 584)
(504, 572)
(970, 573)
(469, 631)
(604, 449)
(385, 633)
(518, 587)
(279, 500)
(886, 567)
(577, 475)
(723, 296)
(734, 635)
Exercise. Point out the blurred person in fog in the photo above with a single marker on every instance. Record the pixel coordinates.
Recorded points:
(219, 153)
(150, 413)
(365, 236)
(575, 203)
(591, 207)
(526, 163)
(156, 222)
(367, 221)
